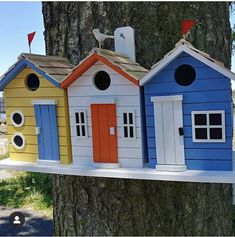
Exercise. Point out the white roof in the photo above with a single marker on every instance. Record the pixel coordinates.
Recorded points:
(185, 46)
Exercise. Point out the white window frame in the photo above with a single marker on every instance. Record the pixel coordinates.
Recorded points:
(13, 122)
(208, 126)
(129, 125)
(13, 143)
(80, 124)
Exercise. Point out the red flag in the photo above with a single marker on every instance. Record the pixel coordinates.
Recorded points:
(186, 26)
(30, 37)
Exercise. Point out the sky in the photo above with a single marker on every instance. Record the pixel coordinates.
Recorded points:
(17, 19)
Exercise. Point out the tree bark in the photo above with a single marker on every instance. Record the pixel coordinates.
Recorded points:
(102, 206)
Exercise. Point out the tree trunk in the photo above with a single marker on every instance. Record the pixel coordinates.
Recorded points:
(102, 206)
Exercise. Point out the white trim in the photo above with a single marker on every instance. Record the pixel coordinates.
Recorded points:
(48, 162)
(44, 102)
(13, 122)
(106, 165)
(102, 100)
(165, 61)
(81, 124)
(128, 125)
(158, 99)
(13, 143)
(208, 126)
(171, 168)
(168, 118)
(203, 176)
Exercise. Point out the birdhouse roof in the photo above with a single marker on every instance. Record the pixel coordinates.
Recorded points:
(120, 63)
(52, 68)
(185, 46)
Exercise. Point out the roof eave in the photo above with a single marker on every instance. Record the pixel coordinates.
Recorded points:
(87, 63)
(82, 67)
(18, 67)
(178, 51)
(165, 61)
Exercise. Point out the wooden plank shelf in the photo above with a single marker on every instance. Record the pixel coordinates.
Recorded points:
(125, 173)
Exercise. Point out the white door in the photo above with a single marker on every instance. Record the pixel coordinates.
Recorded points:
(168, 120)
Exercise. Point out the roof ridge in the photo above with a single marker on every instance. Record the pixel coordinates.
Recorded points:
(99, 50)
(28, 55)
(185, 43)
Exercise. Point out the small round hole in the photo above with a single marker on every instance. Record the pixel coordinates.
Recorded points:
(32, 82)
(17, 118)
(18, 141)
(102, 80)
(185, 75)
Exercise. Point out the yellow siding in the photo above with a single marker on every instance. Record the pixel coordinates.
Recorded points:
(68, 134)
(22, 92)
(32, 140)
(29, 111)
(20, 83)
(25, 102)
(30, 130)
(65, 160)
(33, 149)
(24, 157)
(18, 97)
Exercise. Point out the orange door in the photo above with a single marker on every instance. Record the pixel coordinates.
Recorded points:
(104, 133)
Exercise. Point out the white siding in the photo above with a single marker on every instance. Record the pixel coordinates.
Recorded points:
(127, 98)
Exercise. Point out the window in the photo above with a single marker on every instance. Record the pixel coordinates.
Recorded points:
(128, 124)
(81, 124)
(208, 126)
(17, 118)
(18, 141)
(102, 80)
(32, 82)
(185, 75)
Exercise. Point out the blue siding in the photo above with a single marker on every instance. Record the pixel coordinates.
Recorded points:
(220, 165)
(208, 154)
(187, 120)
(48, 144)
(143, 128)
(210, 91)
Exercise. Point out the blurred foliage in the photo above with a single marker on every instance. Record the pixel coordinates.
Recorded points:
(26, 189)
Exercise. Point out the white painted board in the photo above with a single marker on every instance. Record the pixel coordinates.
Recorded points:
(125, 41)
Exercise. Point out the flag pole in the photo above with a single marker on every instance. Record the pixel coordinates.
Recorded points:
(30, 39)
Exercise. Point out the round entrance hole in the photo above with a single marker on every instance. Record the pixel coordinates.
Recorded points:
(32, 82)
(185, 75)
(18, 141)
(102, 80)
(17, 118)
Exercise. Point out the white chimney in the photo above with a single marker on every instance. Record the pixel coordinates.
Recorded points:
(125, 41)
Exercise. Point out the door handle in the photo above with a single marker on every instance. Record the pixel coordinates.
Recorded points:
(37, 130)
(112, 130)
(181, 131)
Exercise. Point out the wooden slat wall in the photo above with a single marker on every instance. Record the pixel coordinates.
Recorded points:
(128, 97)
(210, 91)
(18, 97)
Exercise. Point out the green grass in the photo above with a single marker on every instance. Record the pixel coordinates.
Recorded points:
(30, 190)
(4, 156)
